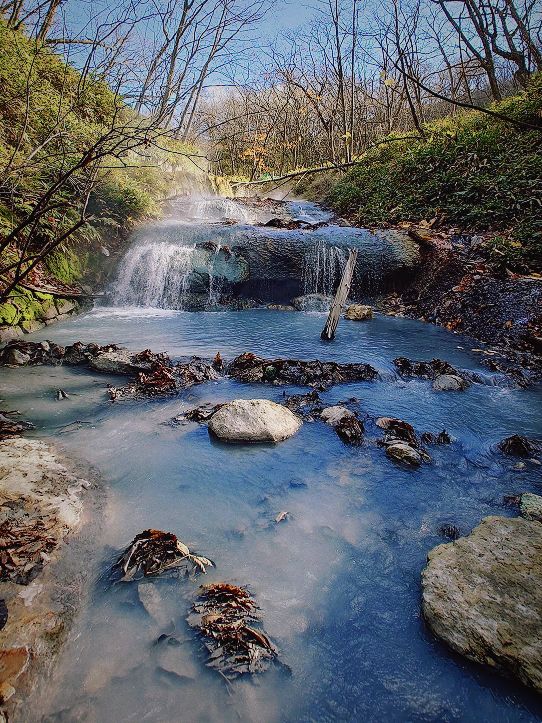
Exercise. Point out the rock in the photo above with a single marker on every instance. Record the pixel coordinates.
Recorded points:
(312, 302)
(531, 506)
(397, 429)
(174, 657)
(64, 306)
(334, 415)
(403, 452)
(153, 603)
(425, 370)
(31, 325)
(482, 595)
(13, 662)
(15, 357)
(118, 361)
(519, 446)
(281, 307)
(358, 312)
(320, 374)
(254, 420)
(9, 333)
(350, 429)
(450, 383)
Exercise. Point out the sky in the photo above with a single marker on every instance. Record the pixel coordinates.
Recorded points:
(286, 15)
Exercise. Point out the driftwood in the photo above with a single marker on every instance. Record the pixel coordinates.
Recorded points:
(328, 332)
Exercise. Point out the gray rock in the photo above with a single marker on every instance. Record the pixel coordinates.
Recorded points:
(358, 312)
(119, 361)
(254, 420)
(176, 660)
(334, 415)
(450, 383)
(483, 596)
(531, 506)
(152, 601)
(64, 306)
(403, 452)
(312, 302)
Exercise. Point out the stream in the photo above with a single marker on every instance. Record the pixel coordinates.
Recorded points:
(338, 582)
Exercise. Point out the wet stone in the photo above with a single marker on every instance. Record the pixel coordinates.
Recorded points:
(520, 446)
(319, 374)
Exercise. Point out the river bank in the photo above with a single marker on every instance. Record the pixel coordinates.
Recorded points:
(49, 516)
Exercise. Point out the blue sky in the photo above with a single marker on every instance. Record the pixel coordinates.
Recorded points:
(286, 15)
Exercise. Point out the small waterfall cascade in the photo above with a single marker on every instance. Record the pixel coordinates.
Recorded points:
(179, 263)
(322, 268)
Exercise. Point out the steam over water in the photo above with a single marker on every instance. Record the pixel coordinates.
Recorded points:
(338, 583)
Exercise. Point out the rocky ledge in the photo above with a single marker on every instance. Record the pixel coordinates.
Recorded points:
(482, 595)
(41, 502)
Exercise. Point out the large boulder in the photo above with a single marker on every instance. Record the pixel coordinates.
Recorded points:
(253, 420)
(358, 312)
(483, 596)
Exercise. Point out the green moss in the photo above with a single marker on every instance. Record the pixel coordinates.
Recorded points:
(9, 314)
(66, 265)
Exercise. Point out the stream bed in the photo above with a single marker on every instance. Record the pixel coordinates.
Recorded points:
(338, 582)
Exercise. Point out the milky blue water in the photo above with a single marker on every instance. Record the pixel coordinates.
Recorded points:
(338, 583)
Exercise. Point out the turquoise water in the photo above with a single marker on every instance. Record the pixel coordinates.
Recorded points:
(338, 583)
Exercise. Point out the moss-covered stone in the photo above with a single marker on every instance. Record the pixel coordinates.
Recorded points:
(9, 314)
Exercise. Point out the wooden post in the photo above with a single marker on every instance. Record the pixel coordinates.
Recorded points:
(339, 301)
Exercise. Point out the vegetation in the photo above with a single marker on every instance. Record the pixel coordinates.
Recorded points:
(78, 166)
(474, 171)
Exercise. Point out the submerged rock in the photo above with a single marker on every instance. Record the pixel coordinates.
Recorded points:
(358, 312)
(450, 383)
(482, 595)
(312, 302)
(254, 420)
(531, 506)
(250, 368)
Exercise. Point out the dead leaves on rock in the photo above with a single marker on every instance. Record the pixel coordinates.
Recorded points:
(154, 552)
(25, 548)
(226, 616)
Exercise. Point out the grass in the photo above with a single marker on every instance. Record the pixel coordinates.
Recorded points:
(478, 173)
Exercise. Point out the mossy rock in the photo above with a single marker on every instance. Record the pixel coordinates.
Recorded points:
(9, 314)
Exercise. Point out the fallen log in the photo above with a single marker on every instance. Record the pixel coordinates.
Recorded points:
(328, 332)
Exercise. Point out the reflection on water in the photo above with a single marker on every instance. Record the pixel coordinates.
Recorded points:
(338, 583)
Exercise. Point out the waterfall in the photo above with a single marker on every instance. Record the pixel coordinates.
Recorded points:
(322, 268)
(154, 274)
